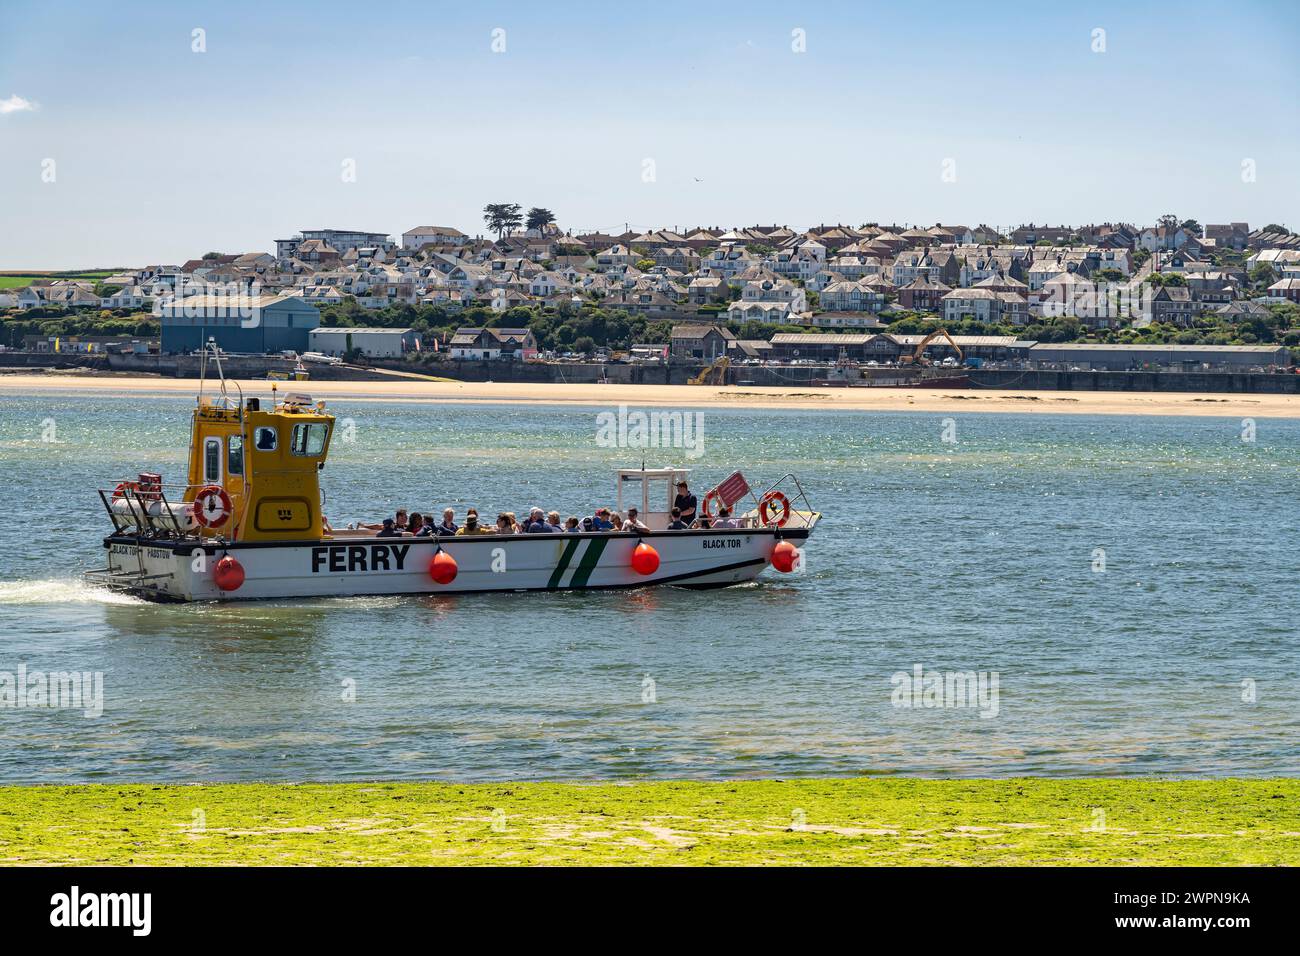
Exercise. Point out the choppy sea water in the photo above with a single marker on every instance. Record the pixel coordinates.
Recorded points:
(1174, 649)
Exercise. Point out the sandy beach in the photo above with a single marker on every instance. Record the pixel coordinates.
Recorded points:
(684, 396)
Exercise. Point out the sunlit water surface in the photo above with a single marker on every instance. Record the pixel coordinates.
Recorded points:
(1180, 657)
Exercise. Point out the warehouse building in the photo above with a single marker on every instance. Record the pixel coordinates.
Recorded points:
(887, 346)
(827, 346)
(992, 348)
(1131, 357)
(246, 324)
(373, 343)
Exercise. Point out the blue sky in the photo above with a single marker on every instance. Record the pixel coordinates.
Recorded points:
(161, 153)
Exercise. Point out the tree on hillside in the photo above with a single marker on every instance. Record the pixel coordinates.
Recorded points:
(539, 217)
(1192, 227)
(501, 217)
(1262, 275)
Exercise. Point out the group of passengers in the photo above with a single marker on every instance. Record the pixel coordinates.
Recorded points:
(413, 523)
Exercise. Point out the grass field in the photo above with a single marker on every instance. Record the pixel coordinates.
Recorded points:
(805, 822)
(20, 280)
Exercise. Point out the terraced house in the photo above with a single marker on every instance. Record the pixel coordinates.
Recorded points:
(771, 271)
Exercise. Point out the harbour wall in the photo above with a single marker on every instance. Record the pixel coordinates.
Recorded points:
(779, 376)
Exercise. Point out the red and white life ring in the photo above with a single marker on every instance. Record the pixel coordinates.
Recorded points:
(771, 499)
(704, 505)
(212, 506)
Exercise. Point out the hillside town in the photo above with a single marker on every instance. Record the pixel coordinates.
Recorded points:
(533, 292)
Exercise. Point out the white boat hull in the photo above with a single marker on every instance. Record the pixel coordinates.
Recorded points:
(351, 566)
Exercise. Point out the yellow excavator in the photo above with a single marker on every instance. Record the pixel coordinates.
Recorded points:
(918, 358)
(715, 374)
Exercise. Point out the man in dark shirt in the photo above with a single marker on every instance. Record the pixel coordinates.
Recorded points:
(388, 531)
(448, 526)
(677, 524)
(685, 502)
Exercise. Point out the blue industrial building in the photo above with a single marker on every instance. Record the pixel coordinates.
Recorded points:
(252, 325)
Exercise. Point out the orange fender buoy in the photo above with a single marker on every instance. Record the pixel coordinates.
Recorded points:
(443, 568)
(645, 559)
(784, 556)
(228, 574)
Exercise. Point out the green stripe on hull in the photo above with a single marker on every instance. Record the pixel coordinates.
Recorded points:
(563, 564)
(590, 557)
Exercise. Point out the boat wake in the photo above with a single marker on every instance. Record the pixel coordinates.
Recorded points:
(62, 591)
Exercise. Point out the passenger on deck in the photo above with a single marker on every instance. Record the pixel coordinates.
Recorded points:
(399, 523)
(448, 526)
(388, 530)
(616, 520)
(587, 524)
(724, 519)
(600, 520)
(633, 523)
(472, 526)
(428, 529)
(677, 524)
(514, 523)
(553, 521)
(415, 523)
(571, 523)
(536, 523)
(503, 524)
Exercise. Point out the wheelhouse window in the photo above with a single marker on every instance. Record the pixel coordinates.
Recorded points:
(235, 455)
(309, 439)
(212, 460)
(264, 439)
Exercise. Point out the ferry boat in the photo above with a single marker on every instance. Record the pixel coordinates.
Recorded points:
(247, 524)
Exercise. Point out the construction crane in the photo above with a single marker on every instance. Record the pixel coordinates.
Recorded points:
(715, 374)
(918, 357)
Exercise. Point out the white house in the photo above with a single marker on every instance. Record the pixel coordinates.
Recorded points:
(484, 343)
(979, 304)
(758, 311)
(30, 298)
(128, 297)
(322, 294)
(427, 235)
(775, 290)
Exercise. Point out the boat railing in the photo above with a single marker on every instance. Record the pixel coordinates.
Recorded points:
(802, 514)
(148, 512)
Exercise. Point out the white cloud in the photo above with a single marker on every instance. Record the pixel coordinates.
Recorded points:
(16, 104)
